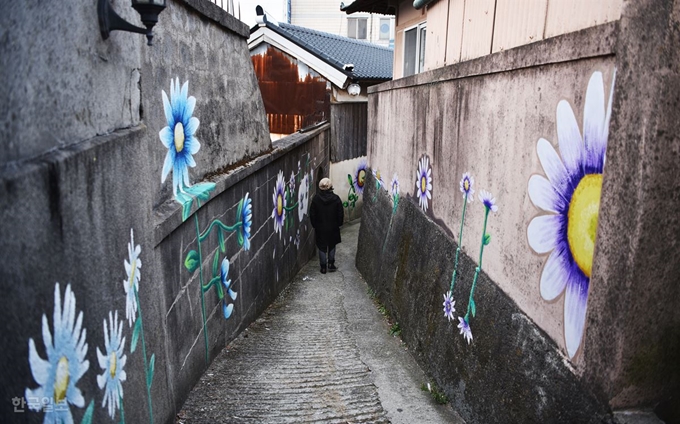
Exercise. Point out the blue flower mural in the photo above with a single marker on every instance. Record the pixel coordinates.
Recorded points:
(179, 136)
(570, 197)
(66, 349)
(227, 308)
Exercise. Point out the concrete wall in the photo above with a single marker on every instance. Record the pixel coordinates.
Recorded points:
(108, 290)
(515, 120)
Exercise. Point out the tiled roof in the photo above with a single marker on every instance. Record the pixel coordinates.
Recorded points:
(370, 6)
(371, 62)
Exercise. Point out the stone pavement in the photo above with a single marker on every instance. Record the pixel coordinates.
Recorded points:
(320, 353)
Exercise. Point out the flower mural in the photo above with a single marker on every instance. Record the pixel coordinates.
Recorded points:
(424, 182)
(303, 197)
(246, 215)
(449, 306)
(112, 361)
(227, 308)
(359, 179)
(465, 329)
(394, 189)
(178, 137)
(66, 349)
(131, 283)
(570, 197)
(279, 200)
(466, 187)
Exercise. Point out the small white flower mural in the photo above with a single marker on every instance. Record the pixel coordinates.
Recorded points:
(131, 284)
(570, 198)
(112, 361)
(303, 198)
(466, 184)
(465, 329)
(424, 182)
(66, 350)
(394, 189)
(449, 306)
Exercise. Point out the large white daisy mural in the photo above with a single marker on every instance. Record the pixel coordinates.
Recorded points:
(570, 197)
(66, 350)
(279, 200)
(131, 284)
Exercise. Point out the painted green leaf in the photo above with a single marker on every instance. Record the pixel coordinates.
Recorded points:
(487, 239)
(201, 191)
(240, 237)
(345, 204)
(186, 201)
(87, 416)
(192, 261)
(220, 290)
(135, 335)
(149, 376)
(349, 178)
(473, 309)
(216, 265)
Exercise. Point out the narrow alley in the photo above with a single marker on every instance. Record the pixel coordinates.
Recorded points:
(320, 353)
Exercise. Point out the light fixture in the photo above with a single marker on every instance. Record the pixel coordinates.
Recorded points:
(354, 89)
(109, 20)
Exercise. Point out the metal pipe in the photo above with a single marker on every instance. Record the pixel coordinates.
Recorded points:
(419, 4)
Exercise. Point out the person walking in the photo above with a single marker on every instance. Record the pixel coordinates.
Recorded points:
(327, 216)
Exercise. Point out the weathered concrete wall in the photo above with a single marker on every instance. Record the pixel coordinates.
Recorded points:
(348, 131)
(98, 219)
(532, 126)
(512, 371)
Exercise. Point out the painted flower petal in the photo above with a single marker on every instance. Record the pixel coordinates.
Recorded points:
(575, 302)
(190, 130)
(593, 125)
(167, 108)
(167, 166)
(39, 367)
(553, 167)
(189, 108)
(570, 141)
(227, 310)
(167, 137)
(544, 232)
(608, 116)
(556, 272)
(544, 196)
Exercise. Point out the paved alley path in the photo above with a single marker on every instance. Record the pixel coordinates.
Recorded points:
(320, 353)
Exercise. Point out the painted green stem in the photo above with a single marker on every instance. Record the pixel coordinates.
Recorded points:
(479, 267)
(290, 208)
(146, 364)
(219, 224)
(200, 273)
(211, 282)
(460, 244)
(122, 411)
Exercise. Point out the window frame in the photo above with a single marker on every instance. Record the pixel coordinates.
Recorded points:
(420, 29)
(357, 31)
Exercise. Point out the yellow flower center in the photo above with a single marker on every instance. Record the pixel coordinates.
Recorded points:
(362, 178)
(377, 175)
(113, 363)
(466, 184)
(133, 270)
(584, 210)
(179, 137)
(61, 380)
(423, 184)
(279, 205)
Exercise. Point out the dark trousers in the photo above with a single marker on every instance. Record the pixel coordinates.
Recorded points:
(330, 258)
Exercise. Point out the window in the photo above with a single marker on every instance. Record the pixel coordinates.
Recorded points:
(385, 28)
(414, 49)
(356, 28)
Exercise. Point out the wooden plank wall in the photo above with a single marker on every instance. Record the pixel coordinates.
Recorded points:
(348, 131)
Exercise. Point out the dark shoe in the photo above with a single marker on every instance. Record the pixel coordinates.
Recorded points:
(323, 269)
(331, 267)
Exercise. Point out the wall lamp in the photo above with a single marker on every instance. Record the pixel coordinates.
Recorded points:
(354, 89)
(109, 20)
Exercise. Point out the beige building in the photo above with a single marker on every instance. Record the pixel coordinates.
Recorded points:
(443, 32)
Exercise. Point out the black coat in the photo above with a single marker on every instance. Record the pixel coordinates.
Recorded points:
(327, 215)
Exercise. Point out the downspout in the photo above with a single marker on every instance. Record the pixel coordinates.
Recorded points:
(419, 4)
